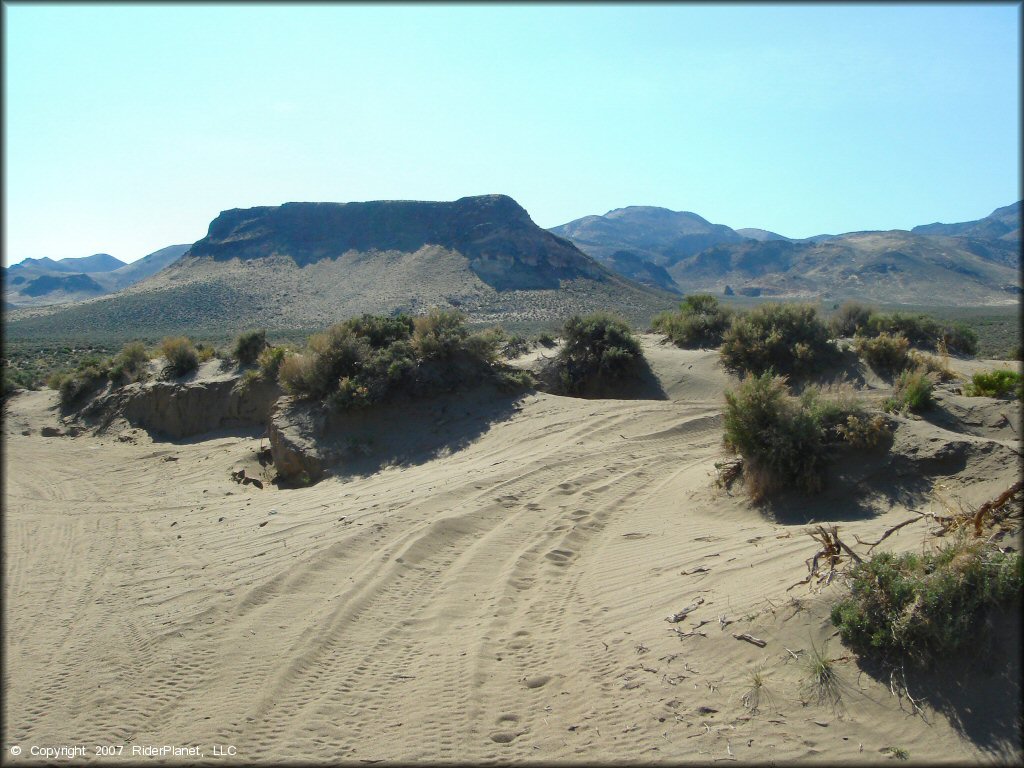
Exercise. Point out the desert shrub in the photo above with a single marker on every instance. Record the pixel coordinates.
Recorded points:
(270, 360)
(938, 366)
(130, 363)
(546, 340)
(863, 430)
(911, 392)
(924, 332)
(780, 442)
(784, 338)
(439, 334)
(700, 322)
(249, 345)
(381, 330)
(514, 346)
(885, 353)
(365, 360)
(850, 318)
(55, 379)
(294, 372)
(14, 379)
(787, 441)
(181, 356)
(90, 375)
(926, 607)
(959, 338)
(330, 356)
(997, 383)
(919, 330)
(599, 349)
(205, 351)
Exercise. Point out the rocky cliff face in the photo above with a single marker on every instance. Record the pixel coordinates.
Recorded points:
(505, 249)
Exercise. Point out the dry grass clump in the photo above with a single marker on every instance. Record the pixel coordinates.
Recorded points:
(180, 354)
(784, 338)
(911, 392)
(926, 607)
(700, 322)
(820, 682)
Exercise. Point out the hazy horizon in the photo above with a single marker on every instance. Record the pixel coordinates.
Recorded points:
(129, 128)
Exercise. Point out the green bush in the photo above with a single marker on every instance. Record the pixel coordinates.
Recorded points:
(130, 363)
(924, 332)
(997, 383)
(700, 322)
(270, 360)
(439, 334)
(365, 360)
(926, 607)
(786, 441)
(851, 318)
(885, 353)
(912, 391)
(381, 331)
(784, 338)
(599, 350)
(330, 356)
(249, 345)
(181, 356)
(919, 330)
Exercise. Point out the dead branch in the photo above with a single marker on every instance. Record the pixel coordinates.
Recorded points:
(675, 618)
(889, 532)
(751, 639)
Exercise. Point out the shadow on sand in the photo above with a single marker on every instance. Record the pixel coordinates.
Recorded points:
(411, 431)
(979, 692)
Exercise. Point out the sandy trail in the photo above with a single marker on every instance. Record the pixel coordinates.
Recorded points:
(506, 601)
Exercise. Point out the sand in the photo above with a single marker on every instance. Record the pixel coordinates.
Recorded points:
(506, 600)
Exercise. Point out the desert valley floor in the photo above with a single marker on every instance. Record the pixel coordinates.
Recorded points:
(505, 600)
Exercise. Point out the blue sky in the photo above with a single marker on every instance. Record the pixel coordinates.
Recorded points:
(129, 128)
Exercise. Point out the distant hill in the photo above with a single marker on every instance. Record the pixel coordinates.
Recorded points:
(40, 282)
(98, 262)
(970, 263)
(1001, 224)
(307, 265)
(46, 284)
(147, 266)
(761, 235)
(658, 235)
(889, 267)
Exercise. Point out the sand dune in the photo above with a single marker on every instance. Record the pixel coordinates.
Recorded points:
(505, 600)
